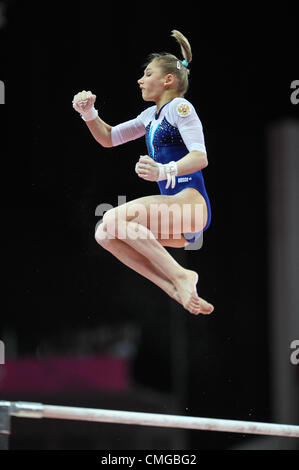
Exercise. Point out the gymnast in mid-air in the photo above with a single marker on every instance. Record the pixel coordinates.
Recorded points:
(138, 231)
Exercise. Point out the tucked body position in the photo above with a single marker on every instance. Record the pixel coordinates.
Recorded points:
(138, 232)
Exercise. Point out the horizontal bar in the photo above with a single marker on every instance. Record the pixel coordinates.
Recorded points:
(37, 410)
(24, 409)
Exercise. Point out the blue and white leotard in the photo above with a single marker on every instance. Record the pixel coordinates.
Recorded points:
(170, 134)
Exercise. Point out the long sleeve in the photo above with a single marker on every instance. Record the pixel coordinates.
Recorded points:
(185, 118)
(129, 130)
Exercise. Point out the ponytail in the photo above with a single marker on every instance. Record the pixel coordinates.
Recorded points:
(184, 45)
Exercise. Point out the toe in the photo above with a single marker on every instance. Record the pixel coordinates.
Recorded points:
(197, 308)
(207, 309)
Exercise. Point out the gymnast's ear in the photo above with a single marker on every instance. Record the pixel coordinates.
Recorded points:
(169, 80)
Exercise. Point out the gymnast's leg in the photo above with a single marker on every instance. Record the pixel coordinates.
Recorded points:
(117, 224)
(183, 279)
(134, 260)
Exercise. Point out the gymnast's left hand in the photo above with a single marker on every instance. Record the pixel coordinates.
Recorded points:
(147, 168)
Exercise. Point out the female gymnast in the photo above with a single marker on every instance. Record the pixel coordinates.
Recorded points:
(138, 232)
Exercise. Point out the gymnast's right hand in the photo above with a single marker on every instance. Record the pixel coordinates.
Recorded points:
(83, 102)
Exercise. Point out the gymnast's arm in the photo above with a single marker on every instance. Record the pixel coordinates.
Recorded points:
(111, 136)
(194, 161)
(191, 130)
(83, 102)
(106, 135)
(100, 131)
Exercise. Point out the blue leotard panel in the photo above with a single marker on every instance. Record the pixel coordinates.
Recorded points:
(167, 145)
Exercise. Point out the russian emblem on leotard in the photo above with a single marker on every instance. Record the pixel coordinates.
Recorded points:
(183, 109)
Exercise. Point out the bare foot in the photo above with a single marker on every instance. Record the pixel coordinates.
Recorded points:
(171, 290)
(187, 294)
(175, 295)
(196, 304)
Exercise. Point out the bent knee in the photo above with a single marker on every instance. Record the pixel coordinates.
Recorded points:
(110, 220)
(101, 235)
(108, 216)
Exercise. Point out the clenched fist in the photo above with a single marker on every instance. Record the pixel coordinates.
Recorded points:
(147, 168)
(150, 170)
(83, 101)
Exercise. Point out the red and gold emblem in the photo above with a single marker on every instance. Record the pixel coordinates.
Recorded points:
(183, 109)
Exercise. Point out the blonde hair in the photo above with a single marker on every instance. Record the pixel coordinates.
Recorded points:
(169, 63)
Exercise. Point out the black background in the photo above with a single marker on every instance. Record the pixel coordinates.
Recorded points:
(54, 175)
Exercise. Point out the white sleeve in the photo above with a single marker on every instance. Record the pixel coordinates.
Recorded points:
(185, 118)
(129, 130)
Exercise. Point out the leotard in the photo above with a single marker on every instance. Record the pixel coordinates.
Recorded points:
(170, 134)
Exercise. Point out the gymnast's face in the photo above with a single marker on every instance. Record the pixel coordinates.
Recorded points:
(152, 84)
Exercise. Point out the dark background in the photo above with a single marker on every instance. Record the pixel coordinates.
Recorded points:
(54, 175)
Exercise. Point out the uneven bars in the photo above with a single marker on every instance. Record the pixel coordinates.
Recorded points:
(38, 410)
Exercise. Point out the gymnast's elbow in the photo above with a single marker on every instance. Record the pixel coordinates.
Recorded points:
(105, 140)
(205, 163)
(202, 158)
(106, 143)
(104, 135)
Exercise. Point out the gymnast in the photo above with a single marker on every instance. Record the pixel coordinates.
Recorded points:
(138, 231)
